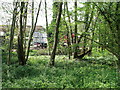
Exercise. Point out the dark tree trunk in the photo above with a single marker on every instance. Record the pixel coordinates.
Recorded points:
(75, 41)
(31, 33)
(52, 59)
(82, 55)
(21, 52)
(24, 24)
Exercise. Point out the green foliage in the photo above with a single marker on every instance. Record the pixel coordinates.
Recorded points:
(101, 57)
(65, 74)
(14, 59)
(60, 51)
(38, 52)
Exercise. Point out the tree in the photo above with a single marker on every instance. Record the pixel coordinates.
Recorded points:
(68, 30)
(32, 31)
(88, 20)
(111, 16)
(52, 62)
(75, 40)
(12, 31)
(21, 52)
(69, 20)
(88, 16)
(46, 17)
(113, 29)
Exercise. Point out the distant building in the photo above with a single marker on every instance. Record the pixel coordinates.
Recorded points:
(40, 37)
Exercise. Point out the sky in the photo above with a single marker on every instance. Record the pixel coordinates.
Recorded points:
(5, 16)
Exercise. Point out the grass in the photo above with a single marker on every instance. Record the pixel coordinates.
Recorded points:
(65, 74)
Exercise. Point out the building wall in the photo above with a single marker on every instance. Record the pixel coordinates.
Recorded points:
(40, 37)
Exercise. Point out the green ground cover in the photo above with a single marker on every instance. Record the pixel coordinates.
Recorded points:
(86, 73)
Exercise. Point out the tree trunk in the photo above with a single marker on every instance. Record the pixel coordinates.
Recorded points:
(71, 31)
(68, 34)
(12, 32)
(52, 62)
(75, 41)
(31, 33)
(24, 25)
(48, 47)
(21, 52)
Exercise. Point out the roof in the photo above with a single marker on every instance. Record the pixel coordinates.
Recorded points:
(38, 27)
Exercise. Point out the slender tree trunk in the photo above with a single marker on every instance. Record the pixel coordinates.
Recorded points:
(88, 20)
(21, 53)
(71, 31)
(47, 27)
(91, 46)
(32, 14)
(52, 62)
(87, 24)
(75, 41)
(31, 33)
(24, 25)
(12, 32)
(68, 35)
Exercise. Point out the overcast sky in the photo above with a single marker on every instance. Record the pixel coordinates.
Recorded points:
(7, 4)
